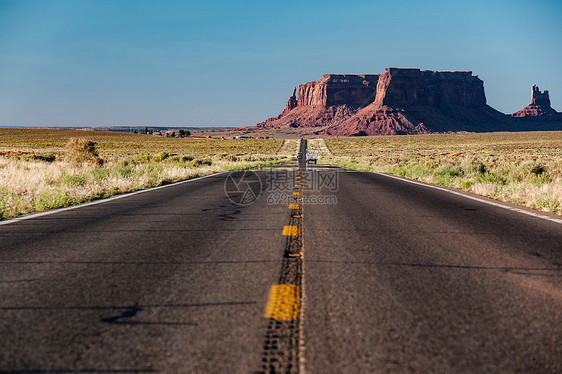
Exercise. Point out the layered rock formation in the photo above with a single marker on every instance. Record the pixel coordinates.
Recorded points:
(413, 101)
(399, 101)
(539, 107)
(407, 87)
(327, 101)
(339, 89)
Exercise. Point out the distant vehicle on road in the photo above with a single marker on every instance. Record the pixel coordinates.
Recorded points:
(312, 158)
(299, 155)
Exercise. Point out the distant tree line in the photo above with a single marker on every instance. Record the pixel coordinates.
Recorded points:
(180, 134)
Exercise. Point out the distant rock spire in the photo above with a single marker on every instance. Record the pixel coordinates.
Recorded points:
(539, 98)
(539, 107)
(292, 102)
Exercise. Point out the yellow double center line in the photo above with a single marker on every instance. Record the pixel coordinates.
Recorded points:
(283, 338)
(283, 303)
(284, 299)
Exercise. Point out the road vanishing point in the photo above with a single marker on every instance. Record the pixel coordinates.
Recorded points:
(288, 269)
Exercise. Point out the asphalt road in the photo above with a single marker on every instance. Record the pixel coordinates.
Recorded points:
(365, 274)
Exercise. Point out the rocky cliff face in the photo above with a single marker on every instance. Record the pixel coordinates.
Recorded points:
(411, 87)
(327, 101)
(539, 107)
(413, 101)
(339, 89)
(399, 101)
(291, 103)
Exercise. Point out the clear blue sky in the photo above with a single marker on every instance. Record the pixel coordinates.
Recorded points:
(89, 62)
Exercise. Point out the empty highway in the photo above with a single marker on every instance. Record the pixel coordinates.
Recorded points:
(321, 270)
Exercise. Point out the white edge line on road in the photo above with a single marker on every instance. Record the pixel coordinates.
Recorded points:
(458, 193)
(101, 201)
(500, 205)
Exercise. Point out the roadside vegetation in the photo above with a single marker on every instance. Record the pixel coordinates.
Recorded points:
(289, 147)
(523, 168)
(45, 169)
(319, 147)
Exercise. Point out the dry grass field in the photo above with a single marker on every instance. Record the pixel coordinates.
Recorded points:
(43, 169)
(118, 143)
(39, 169)
(289, 147)
(523, 168)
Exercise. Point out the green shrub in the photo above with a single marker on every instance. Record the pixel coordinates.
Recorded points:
(548, 201)
(74, 180)
(199, 163)
(449, 171)
(477, 166)
(430, 163)
(124, 172)
(443, 180)
(51, 199)
(142, 158)
(2, 206)
(538, 169)
(99, 174)
(491, 178)
(402, 172)
(539, 179)
(160, 157)
(48, 157)
(418, 171)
